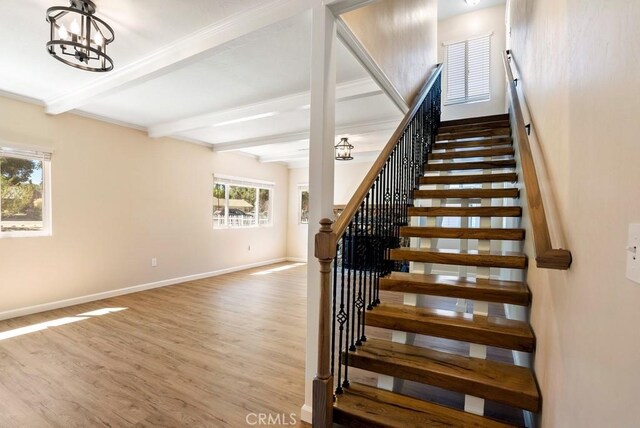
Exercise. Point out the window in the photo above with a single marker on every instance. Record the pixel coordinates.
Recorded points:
(239, 202)
(24, 192)
(303, 191)
(468, 71)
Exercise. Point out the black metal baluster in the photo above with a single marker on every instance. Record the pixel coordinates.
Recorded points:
(380, 239)
(354, 284)
(405, 174)
(375, 239)
(392, 185)
(349, 335)
(365, 265)
(342, 317)
(397, 195)
(335, 315)
(357, 277)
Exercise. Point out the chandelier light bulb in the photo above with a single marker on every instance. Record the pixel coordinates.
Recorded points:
(98, 39)
(75, 27)
(62, 32)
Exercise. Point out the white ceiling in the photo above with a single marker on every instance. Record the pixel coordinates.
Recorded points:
(449, 8)
(248, 93)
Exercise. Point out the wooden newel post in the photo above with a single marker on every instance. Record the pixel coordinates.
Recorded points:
(325, 252)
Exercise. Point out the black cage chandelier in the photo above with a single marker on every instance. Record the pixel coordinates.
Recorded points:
(343, 149)
(79, 38)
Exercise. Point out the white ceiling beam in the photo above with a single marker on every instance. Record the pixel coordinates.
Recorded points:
(284, 157)
(180, 53)
(361, 156)
(261, 141)
(362, 55)
(354, 89)
(354, 129)
(338, 7)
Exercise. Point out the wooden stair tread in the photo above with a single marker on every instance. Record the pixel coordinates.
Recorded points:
(464, 211)
(369, 407)
(477, 125)
(485, 153)
(473, 143)
(463, 233)
(483, 330)
(501, 259)
(473, 133)
(474, 126)
(475, 120)
(486, 290)
(466, 193)
(509, 177)
(491, 380)
(458, 166)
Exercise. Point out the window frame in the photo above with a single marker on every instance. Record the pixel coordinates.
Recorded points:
(35, 154)
(258, 185)
(301, 189)
(467, 100)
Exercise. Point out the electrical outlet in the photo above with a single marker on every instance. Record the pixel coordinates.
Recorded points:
(633, 253)
(154, 262)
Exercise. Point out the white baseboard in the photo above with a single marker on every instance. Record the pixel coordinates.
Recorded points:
(14, 313)
(306, 413)
(297, 259)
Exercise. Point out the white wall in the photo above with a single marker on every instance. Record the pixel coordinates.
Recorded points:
(119, 199)
(579, 65)
(463, 27)
(348, 176)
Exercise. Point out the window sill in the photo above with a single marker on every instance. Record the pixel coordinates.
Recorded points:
(42, 234)
(264, 226)
(454, 103)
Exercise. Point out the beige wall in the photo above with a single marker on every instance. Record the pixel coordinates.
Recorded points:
(401, 36)
(579, 65)
(119, 199)
(463, 27)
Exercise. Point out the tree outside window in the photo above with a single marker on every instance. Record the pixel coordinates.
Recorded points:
(304, 206)
(21, 195)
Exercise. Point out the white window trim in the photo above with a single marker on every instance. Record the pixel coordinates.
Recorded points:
(228, 181)
(445, 80)
(9, 149)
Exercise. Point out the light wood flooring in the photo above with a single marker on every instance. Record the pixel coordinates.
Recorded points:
(201, 354)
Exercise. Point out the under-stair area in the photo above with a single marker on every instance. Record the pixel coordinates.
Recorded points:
(469, 173)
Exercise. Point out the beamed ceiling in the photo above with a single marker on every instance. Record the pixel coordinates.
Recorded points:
(234, 74)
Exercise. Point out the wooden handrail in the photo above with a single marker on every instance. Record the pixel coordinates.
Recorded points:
(546, 256)
(352, 207)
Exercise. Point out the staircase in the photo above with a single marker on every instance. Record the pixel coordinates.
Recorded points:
(460, 197)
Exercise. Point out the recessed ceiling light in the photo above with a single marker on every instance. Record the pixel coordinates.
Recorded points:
(472, 2)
